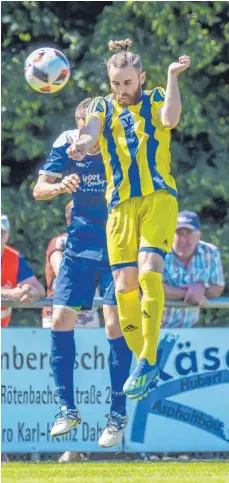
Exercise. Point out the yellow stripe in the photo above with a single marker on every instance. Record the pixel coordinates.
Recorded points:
(122, 151)
(162, 153)
(108, 169)
(124, 157)
(145, 176)
(138, 382)
(144, 379)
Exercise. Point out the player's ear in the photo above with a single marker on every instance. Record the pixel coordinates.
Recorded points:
(142, 77)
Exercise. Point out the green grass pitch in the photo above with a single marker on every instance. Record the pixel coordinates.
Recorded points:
(120, 472)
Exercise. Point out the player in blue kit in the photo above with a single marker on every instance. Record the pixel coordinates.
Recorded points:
(84, 266)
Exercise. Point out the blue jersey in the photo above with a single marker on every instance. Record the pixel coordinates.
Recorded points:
(87, 230)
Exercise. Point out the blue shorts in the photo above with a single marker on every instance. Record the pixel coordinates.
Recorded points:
(78, 279)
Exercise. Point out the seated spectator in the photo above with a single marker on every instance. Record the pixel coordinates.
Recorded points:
(192, 272)
(18, 281)
(54, 253)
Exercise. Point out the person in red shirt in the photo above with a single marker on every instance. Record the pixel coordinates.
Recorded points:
(18, 281)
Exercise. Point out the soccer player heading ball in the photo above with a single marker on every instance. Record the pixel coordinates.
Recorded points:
(133, 128)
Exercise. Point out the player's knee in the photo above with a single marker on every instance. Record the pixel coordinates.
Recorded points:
(150, 262)
(121, 288)
(126, 279)
(112, 326)
(63, 319)
(113, 330)
(125, 286)
(58, 323)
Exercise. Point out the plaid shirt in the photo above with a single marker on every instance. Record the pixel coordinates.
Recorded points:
(205, 266)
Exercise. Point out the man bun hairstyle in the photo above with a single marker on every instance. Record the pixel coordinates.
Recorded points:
(119, 44)
(123, 58)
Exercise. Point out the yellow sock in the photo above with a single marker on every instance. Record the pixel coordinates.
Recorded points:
(152, 305)
(129, 309)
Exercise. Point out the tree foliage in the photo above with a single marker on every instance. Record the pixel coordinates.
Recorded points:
(161, 32)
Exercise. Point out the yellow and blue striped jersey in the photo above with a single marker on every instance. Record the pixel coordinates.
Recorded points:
(135, 147)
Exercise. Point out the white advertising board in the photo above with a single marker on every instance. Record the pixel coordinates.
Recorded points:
(29, 402)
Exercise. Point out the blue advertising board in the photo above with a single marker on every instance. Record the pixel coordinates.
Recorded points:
(188, 411)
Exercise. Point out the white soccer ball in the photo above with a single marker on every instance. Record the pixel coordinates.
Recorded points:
(47, 70)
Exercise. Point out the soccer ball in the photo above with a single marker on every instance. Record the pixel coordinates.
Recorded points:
(47, 70)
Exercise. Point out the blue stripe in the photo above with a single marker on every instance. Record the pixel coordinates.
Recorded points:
(157, 97)
(117, 266)
(114, 159)
(159, 251)
(99, 106)
(127, 121)
(95, 106)
(152, 145)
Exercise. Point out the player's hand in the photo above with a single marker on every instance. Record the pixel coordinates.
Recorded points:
(70, 184)
(176, 68)
(195, 294)
(79, 148)
(17, 292)
(26, 292)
